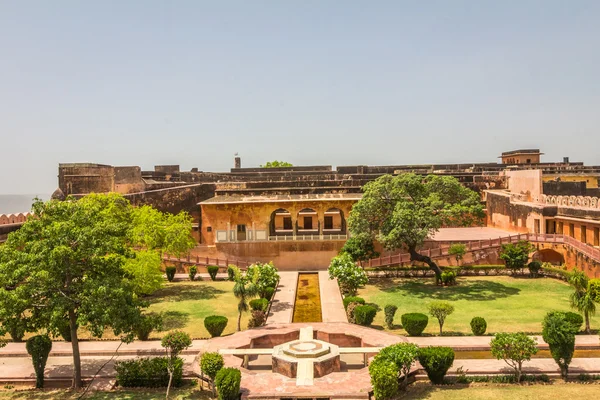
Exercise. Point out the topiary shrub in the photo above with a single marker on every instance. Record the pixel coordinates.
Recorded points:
(478, 326)
(147, 324)
(257, 318)
(436, 361)
(211, 364)
(350, 312)
(364, 315)
(215, 324)
(259, 304)
(574, 319)
(227, 382)
(231, 272)
(192, 272)
(384, 378)
(148, 372)
(448, 278)
(534, 268)
(267, 293)
(390, 312)
(213, 271)
(414, 323)
(170, 271)
(38, 347)
(353, 299)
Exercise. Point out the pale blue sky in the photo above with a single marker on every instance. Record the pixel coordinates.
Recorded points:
(312, 82)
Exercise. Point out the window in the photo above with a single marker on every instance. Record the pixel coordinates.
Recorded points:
(241, 228)
(596, 236)
(308, 223)
(536, 226)
(209, 229)
(572, 230)
(583, 234)
(529, 161)
(287, 223)
(328, 222)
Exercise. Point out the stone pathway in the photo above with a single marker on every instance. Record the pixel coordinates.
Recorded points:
(282, 309)
(475, 343)
(332, 306)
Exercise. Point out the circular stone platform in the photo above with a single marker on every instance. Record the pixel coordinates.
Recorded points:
(325, 357)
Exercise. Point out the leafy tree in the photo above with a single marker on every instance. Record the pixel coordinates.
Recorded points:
(276, 164)
(211, 364)
(516, 255)
(403, 355)
(145, 272)
(360, 248)
(70, 263)
(559, 333)
(403, 211)
(244, 290)
(582, 298)
(440, 310)
(174, 343)
(458, 250)
(349, 275)
(514, 349)
(594, 288)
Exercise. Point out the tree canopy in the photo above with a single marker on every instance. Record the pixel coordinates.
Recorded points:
(276, 164)
(69, 263)
(402, 211)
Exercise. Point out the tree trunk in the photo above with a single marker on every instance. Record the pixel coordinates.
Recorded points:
(441, 324)
(75, 347)
(169, 385)
(519, 374)
(587, 323)
(239, 327)
(416, 256)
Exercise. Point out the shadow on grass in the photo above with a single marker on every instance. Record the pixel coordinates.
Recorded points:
(174, 320)
(475, 290)
(182, 292)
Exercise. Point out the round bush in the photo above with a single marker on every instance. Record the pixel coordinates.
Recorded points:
(364, 315)
(353, 299)
(170, 271)
(350, 312)
(390, 312)
(215, 324)
(436, 361)
(478, 326)
(213, 271)
(534, 267)
(384, 378)
(267, 293)
(211, 363)
(192, 272)
(227, 382)
(574, 319)
(414, 323)
(259, 304)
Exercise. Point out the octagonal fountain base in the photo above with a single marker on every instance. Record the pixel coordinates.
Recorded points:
(288, 358)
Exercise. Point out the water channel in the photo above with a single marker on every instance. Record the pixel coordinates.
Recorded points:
(308, 299)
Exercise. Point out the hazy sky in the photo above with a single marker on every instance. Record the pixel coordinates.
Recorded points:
(311, 82)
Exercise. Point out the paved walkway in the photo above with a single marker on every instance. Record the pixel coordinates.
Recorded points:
(332, 307)
(474, 343)
(282, 308)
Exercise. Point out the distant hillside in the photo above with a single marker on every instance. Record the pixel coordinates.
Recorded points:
(16, 203)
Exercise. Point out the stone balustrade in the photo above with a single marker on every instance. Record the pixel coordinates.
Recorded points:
(571, 201)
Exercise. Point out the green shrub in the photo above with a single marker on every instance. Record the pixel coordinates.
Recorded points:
(574, 319)
(16, 329)
(147, 324)
(384, 378)
(478, 326)
(148, 372)
(550, 270)
(211, 363)
(350, 312)
(227, 382)
(414, 323)
(213, 271)
(193, 270)
(448, 277)
(404, 355)
(534, 268)
(215, 324)
(170, 271)
(38, 347)
(267, 293)
(231, 272)
(353, 299)
(364, 315)
(436, 361)
(257, 318)
(259, 304)
(514, 349)
(390, 312)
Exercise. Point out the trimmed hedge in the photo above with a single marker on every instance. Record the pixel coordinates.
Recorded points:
(170, 271)
(390, 312)
(436, 361)
(478, 326)
(384, 378)
(148, 372)
(268, 293)
(193, 270)
(353, 299)
(227, 382)
(414, 323)
(213, 271)
(420, 271)
(259, 304)
(574, 319)
(215, 324)
(364, 315)
(556, 272)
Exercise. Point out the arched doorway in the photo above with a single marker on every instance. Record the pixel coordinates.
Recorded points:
(281, 223)
(334, 222)
(548, 255)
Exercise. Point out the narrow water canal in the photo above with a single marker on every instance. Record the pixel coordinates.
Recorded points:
(308, 299)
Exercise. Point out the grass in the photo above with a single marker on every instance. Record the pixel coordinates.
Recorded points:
(308, 299)
(421, 390)
(508, 304)
(129, 394)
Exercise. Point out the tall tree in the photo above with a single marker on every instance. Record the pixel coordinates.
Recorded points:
(244, 289)
(582, 298)
(69, 263)
(402, 211)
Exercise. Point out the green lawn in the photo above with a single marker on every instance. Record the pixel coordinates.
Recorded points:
(554, 391)
(508, 304)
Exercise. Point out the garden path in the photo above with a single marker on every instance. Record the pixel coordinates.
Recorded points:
(332, 307)
(282, 307)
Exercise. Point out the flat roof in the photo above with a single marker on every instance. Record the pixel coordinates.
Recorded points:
(521, 152)
(282, 198)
